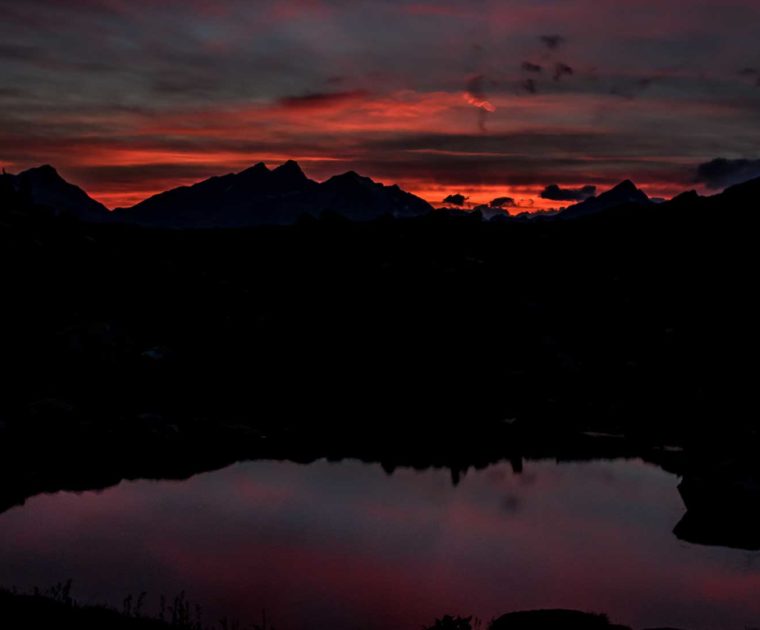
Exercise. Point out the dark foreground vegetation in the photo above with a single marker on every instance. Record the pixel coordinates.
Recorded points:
(438, 340)
(56, 609)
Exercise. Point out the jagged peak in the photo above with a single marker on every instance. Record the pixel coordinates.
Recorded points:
(291, 168)
(626, 186)
(259, 167)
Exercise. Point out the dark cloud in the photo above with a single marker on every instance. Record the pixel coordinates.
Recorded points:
(751, 73)
(533, 158)
(320, 100)
(555, 193)
(633, 89)
(503, 202)
(552, 42)
(721, 173)
(475, 95)
(561, 70)
(529, 66)
(19, 53)
(530, 86)
(456, 200)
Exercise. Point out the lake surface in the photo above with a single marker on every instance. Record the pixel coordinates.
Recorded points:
(345, 545)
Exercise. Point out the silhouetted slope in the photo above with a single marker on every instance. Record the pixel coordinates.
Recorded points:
(359, 198)
(742, 195)
(258, 196)
(622, 194)
(624, 318)
(43, 186)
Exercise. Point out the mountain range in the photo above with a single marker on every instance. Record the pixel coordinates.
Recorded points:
(281, 196)
(260, 196)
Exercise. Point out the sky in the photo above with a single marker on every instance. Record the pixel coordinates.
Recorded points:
(472, 100)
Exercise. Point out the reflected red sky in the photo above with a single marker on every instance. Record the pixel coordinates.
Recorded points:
(345, 545)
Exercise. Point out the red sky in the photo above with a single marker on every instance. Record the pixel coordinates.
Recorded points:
(483, 98)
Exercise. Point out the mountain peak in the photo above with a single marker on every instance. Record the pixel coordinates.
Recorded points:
(45, 171)
(351, 178)
(626, 192)
(290, 169)
(258, 196)
(626, 186)
(47, 188)
(259, 167)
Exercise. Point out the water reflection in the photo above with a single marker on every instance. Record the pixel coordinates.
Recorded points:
(346, 545)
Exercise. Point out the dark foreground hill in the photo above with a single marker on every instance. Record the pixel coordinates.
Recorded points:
(436, 340)
(641, 317)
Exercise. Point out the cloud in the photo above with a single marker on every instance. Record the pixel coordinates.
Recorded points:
(475, 95)
(535, 68)
(562, 69)
(496, 207)
(201, 88)
(634, 88)
(456, 200)
(530, 86)
(752, 74)
(722, 173)
(503, 202)
(19, 53)
(555, 193)
(552, 42)
(321, 100)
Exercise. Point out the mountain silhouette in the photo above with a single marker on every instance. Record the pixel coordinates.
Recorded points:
(624, 193)
(260, 196)
(43, 186)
